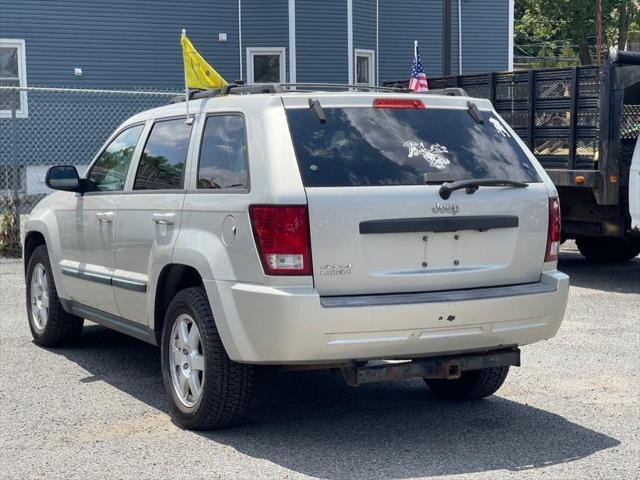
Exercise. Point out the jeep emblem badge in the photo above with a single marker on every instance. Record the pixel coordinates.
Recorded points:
(442, 208)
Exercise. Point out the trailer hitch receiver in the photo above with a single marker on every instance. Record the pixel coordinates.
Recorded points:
(447, 367)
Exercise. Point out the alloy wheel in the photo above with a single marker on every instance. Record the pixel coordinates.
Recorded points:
(186, 359)
(39, 298)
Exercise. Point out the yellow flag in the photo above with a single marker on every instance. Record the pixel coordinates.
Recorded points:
(197, 72)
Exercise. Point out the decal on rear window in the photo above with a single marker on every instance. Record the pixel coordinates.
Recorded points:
(434, 154)
(499, 127)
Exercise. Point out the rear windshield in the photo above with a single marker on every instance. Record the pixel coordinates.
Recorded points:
(382, 146)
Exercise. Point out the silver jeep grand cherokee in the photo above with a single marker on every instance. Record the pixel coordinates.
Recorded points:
(304, 228)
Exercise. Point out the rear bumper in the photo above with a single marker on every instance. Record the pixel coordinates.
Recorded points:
(263, 324)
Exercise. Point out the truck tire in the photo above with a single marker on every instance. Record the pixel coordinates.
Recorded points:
(206, 389)
(472, 384)
(608, 249)
(50, 325)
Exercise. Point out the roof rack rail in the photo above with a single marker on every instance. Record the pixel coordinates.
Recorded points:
(253, 88)
(449, 91)
(239, 88)
(242, 88)
(195, 95)
(338, 86)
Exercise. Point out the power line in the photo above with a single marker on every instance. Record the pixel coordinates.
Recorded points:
(550, 43)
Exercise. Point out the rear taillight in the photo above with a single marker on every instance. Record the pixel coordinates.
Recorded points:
(282, 237)
(553, 235)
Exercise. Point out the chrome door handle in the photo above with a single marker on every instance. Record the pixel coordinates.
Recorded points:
(164, 218)
(105, 216)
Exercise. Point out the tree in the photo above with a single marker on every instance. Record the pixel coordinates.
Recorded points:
(628, 12)
(574, 21)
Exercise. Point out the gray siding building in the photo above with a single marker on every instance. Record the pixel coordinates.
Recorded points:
(120, 45)
(135, 43)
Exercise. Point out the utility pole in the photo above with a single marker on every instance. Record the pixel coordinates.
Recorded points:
(598, 30)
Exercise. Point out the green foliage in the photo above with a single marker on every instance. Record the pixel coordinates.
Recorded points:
(549, 55)
(9, 234)
(572, 21)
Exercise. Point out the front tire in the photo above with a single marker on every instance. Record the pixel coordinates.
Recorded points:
(206, 389)
(472, 384)
(50, 325)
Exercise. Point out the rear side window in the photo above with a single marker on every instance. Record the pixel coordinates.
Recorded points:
(109, 172)
(223, 154)
(163, 158)
(384, 146)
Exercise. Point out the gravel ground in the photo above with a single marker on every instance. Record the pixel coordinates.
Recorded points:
(98, 410)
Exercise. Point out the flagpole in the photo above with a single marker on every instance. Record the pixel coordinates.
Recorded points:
(415, 49)
(189, 120)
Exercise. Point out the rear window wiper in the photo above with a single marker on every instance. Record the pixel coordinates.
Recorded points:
(473, 184)
(474, 112)
(314, 105)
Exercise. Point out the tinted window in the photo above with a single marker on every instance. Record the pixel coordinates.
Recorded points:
(223, 156)
(10, 77)
(362, 70)
(9, 62)
(266, 68)
(110, 170)
(382, 146)
(165, 153)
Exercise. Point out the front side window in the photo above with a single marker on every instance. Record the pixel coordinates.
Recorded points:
(109, 172)
(164, 156)
(266, 65)
(396, 146)
(13, 74)
(223, 155)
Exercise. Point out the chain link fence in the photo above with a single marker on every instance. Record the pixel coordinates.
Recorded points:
(41, 127)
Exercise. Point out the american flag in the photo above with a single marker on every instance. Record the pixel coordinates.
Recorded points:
(418, 82)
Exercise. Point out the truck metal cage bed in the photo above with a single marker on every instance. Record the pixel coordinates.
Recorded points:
(581, 122)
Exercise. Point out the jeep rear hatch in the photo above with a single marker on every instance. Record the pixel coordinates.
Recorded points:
(378, 220)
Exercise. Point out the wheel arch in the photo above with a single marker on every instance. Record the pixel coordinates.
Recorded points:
(32, 240)
(42, 230)
(172, 278)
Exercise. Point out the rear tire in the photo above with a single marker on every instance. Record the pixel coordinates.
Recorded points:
(217, 390)
(608, 249)
(472, 384)
(50, 325)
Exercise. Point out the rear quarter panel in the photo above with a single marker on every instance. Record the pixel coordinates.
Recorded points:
(273, 176)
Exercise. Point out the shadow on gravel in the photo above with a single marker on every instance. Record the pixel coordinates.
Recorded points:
(609, 277)
(314, 424)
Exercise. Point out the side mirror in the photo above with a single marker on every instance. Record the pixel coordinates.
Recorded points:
(64, 177)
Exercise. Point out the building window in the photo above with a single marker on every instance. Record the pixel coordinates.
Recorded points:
(13, 73)
(266, 65)
(365, 67)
